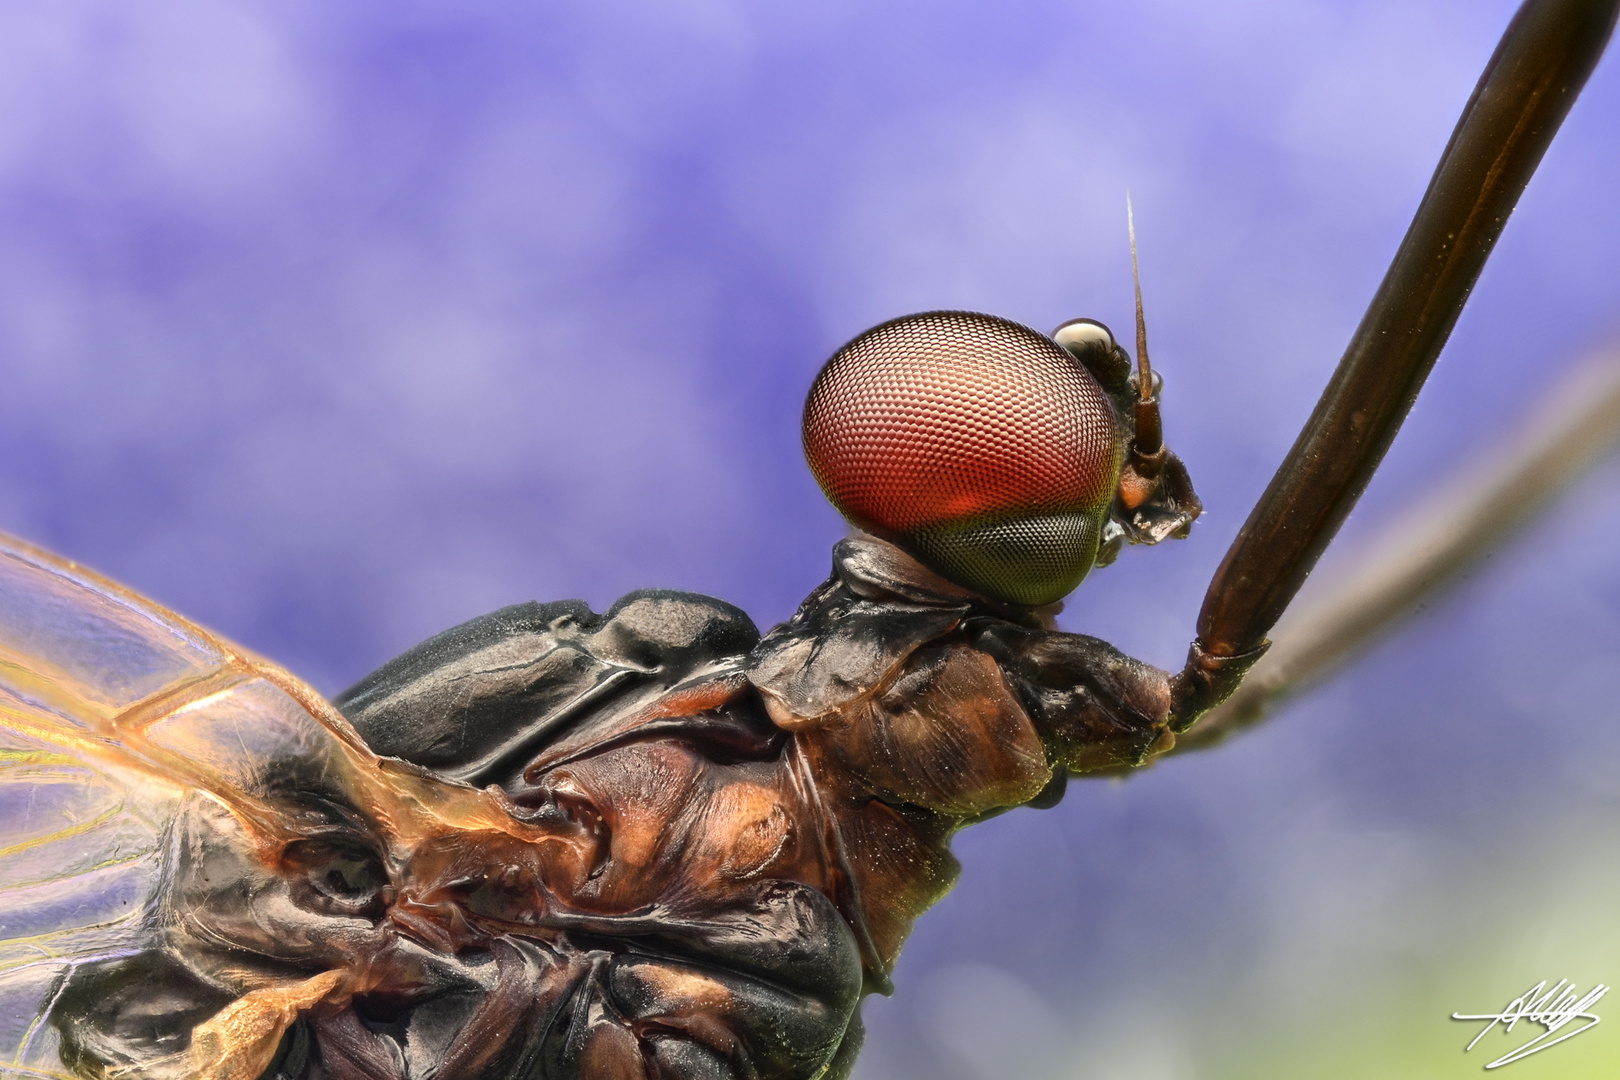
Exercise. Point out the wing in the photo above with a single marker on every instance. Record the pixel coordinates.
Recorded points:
(202, 867)
(113, 712)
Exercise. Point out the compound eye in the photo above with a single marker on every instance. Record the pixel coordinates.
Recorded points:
(977, 444)
(1085, 336)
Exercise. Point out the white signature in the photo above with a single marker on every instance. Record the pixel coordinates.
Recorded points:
(1552, 1009)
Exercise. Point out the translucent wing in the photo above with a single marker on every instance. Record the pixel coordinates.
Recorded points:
(113, 713)
(205, 874)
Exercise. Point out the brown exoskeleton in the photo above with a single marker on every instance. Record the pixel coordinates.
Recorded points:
(648, 843)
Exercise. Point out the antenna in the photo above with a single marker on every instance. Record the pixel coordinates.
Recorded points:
(1149, 435)
(1144, 371)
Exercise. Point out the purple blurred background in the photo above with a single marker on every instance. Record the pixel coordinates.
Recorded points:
(333, 325)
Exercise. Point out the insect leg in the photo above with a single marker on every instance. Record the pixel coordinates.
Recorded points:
(1430, 546)
(1540, 65)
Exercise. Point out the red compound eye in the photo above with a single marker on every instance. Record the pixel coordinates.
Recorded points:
(980, 445)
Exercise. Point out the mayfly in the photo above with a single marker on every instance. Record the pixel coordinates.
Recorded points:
(646, 843)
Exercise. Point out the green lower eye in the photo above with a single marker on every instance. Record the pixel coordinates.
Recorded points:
(1031, 560)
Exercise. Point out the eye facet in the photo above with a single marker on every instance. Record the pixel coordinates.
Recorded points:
(981, 446)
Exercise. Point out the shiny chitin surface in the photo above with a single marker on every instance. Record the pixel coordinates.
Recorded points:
(646, 843)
